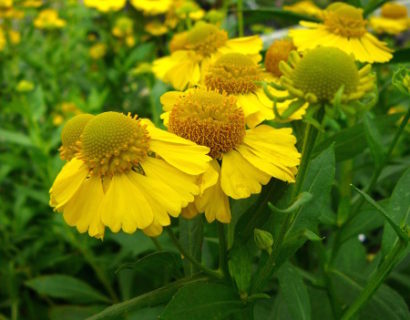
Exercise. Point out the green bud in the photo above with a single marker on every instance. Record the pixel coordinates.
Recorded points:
(263, 240)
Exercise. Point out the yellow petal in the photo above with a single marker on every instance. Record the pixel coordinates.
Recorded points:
(153, 230)
(214, 202)
(240, 179)
(124, 206)
(82, 210)
(67, 182)
(174, 184)
(180, 153)
(246, 45)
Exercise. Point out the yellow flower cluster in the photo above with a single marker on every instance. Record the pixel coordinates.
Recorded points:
(49, 19)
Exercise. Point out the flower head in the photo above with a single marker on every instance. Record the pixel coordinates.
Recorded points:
(49, 19)
(152, 7)
(393, 19)
(278, 51)
(105, 5)
(321, 72)
(125, 174)
(244, 159)
(345, 28)
(193, 50)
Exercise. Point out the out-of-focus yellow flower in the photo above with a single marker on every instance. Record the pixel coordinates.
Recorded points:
(155, 28)
(343, 27)
(152, 7)
(105, 5)
(305, 7)
(278, 51)
(2, 40)
(194, 51)
(98, 51)
(124, 30)
(32, 3)
(25, 86)
(14, 36)
(393, 19)
(142, 68)
(11, 13)
(49, 19)
(215, 16)
(182, 10)
(6, 4)
(70, 107)
(58, 119)
(66, 110)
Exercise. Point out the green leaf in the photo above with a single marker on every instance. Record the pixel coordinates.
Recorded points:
(294, 292)
(401, 56)
(398, 210)
(155, 262)
(266, 14)
(37, 103)
(65, 287)
(141, 52)
(72, 312)
(191, 235)
(352, 141)
(240, 266)
(204, 301)
(384, 304)
(15, 137)
(374, 139)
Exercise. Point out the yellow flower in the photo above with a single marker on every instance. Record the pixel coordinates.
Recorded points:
(155, 28)
(278, 51)
(98, 50)
(320, 73)
(123, 29)
(243, 159)
(105, 5)
(195, 50)
(2, 40)
(305, 7)
(345, 28)
(393, 19)
(25, 86)
(238, 75)
(11, 13)
(48, 19)
(14, 37)
(6, 4)
(125, 174)
(32, 3)
(152, 7)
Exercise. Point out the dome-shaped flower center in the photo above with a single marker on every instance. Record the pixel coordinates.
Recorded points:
(71, 134)
(209, 119)
(345, 20)
(233, 73)
(394, 11)
(277, 52)
(323, 70)
(205, 38)
(113, 143)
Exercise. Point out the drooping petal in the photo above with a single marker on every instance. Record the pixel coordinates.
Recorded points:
(183, 154)
(124, 206)
(240, 179)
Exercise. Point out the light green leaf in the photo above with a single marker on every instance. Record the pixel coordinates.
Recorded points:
(15, 137)
(66, 287)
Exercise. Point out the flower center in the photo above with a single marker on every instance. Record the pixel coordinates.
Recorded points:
(71, 134)
(233, 73)
(113, 143)
(205, 38)
(277, 52)
(323, 70)
(209, 119)
(345, 20)
(394, 11)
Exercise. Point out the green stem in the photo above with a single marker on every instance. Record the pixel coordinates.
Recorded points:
(185, 254)
(239, 12)
(307, 149)
(223, 265)
(156, 243)
(152, 298)
(377, 279)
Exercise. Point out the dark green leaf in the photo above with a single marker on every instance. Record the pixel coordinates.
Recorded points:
(240, 265)
(401, 56)
(204, 301)
(398, 210)
(374, 139)
(191, 235)
(294, 292)
(72, 312)
(66, 287)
